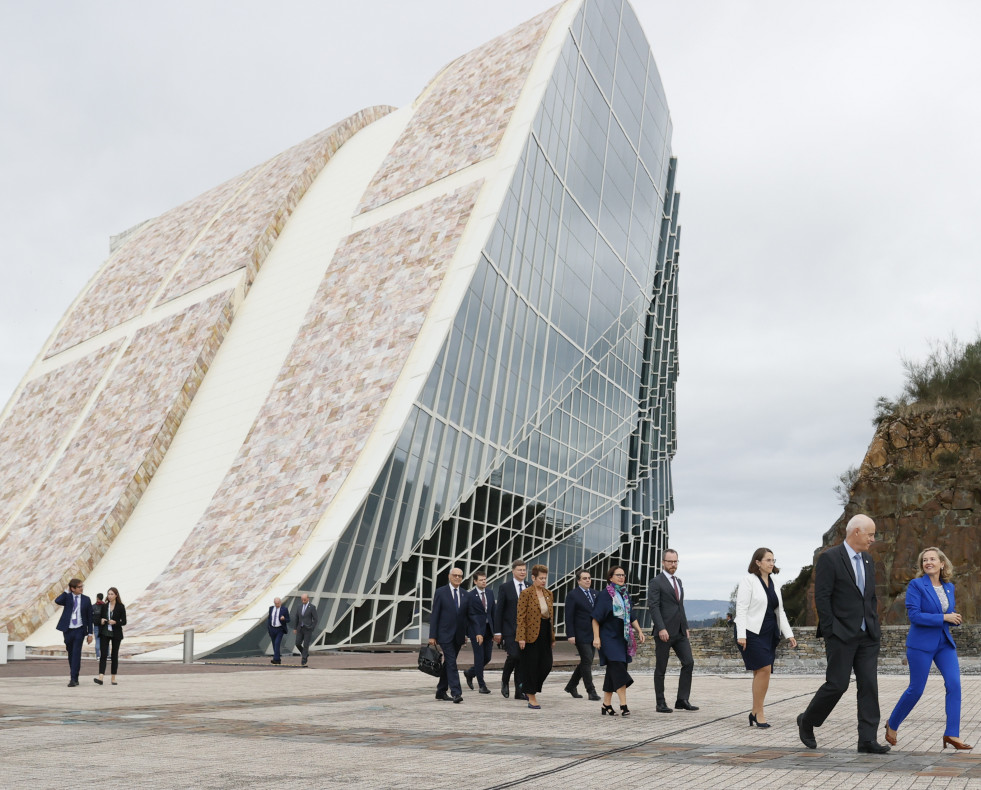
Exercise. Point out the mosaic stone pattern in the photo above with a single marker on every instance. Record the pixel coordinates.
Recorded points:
(38, 422)
(228, 228)
(317, 418)
(126, 285)
(93, 488)
(463, 117)
(245, 231)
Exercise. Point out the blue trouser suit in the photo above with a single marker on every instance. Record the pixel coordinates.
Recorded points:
(945, 657)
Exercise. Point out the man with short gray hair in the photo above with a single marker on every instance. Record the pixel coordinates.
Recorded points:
(848, 620)
(306, 621)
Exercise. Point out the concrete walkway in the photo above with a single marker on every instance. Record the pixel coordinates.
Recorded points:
(226, 726)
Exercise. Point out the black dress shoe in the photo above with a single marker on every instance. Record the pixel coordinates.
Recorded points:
(72, 683)
(442, 695)
(521, 696)
(873, 747)
(662, 708)
(594, 697)
(458, 698)
(806, 733)
(505, 689)
(683, 704)
(484, 690)
(575, 694)
(469, 678)
(274, 661)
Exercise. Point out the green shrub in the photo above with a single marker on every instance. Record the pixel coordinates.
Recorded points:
(951, 372)
(966, 428)
(948, 459)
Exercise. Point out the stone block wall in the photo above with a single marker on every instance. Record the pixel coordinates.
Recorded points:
(714, 649)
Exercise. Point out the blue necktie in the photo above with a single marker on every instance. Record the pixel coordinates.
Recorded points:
(860, 579)
(589, 595)
(456, 597)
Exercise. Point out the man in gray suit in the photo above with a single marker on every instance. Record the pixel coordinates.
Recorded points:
(666, 603)
(305, 617)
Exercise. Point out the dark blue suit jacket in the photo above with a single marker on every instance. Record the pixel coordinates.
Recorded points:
(927, 629)
(447, 624)
(579, 615)
(506, 611)
(283, 612)
(478, 620)
(66, 601)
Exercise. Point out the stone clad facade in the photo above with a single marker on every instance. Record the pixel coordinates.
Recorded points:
(480, 361)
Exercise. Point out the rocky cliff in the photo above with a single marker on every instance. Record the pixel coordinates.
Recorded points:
(921, 482)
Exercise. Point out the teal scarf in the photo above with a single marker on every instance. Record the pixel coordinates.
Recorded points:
(621, 608)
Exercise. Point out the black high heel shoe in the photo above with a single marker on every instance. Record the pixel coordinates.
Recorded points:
(607, 710)
(624, 710)
(754, 723)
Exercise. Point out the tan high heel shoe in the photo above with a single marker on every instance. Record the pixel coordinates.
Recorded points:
(957, 743)
(890, 736)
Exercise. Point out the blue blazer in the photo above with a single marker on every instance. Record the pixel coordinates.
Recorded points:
(927, 629)
(579, 615)
(447, 624)
(479, 622)
(84, 611)
(283, 612)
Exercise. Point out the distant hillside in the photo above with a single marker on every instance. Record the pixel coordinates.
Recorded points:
(703, 610)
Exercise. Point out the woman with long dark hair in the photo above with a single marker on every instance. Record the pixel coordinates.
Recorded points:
(112, 618)
(760, 620)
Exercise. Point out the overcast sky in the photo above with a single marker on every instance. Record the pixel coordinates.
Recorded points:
(828, 164)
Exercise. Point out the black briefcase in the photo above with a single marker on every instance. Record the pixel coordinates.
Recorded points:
(430, 660)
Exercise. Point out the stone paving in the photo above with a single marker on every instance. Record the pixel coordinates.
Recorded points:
(283, 727)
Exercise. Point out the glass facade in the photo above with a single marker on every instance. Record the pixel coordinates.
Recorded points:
(546, 427)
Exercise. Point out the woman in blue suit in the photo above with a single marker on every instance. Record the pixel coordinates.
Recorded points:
(930, 606)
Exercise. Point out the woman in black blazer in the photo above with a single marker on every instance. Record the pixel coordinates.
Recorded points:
(111, 619)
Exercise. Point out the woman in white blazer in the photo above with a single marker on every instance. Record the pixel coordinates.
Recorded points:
(760, 620)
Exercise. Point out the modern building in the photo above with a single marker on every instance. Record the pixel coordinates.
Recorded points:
(439, 335)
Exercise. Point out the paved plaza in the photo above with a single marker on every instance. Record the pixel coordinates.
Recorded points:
(252, 725)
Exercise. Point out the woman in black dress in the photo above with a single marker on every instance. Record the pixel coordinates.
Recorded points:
(535, 634)
(112, 618)
(613, 635)
(760, 620)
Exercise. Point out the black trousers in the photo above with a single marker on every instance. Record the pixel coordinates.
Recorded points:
(302, 642)
(860, 654)
(584, 670)
(513, 662)
(482, 655)
(662, 651)
(449, 676)
(104, 643)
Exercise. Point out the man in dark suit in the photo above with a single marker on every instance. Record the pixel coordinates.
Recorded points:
(666, 603)
(276, 622)
(480, 629)
(579, 630)
(448, 629)
(75, 623)
(306, 620)
(506, 624)
(848, 620)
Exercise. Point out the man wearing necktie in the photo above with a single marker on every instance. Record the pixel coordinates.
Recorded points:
(75, 623)
(666, 603)
(305, 616)
(506, 625)
(480, 629)
(276, 622)
(579, 630)
(448, 629)
(848, 621)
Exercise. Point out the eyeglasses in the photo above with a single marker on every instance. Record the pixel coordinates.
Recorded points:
(456, 575)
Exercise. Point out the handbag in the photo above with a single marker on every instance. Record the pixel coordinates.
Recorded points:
(430, 660)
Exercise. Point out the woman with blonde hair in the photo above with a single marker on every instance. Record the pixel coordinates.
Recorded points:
(760, 620)
(535, 634)
(930, 607)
